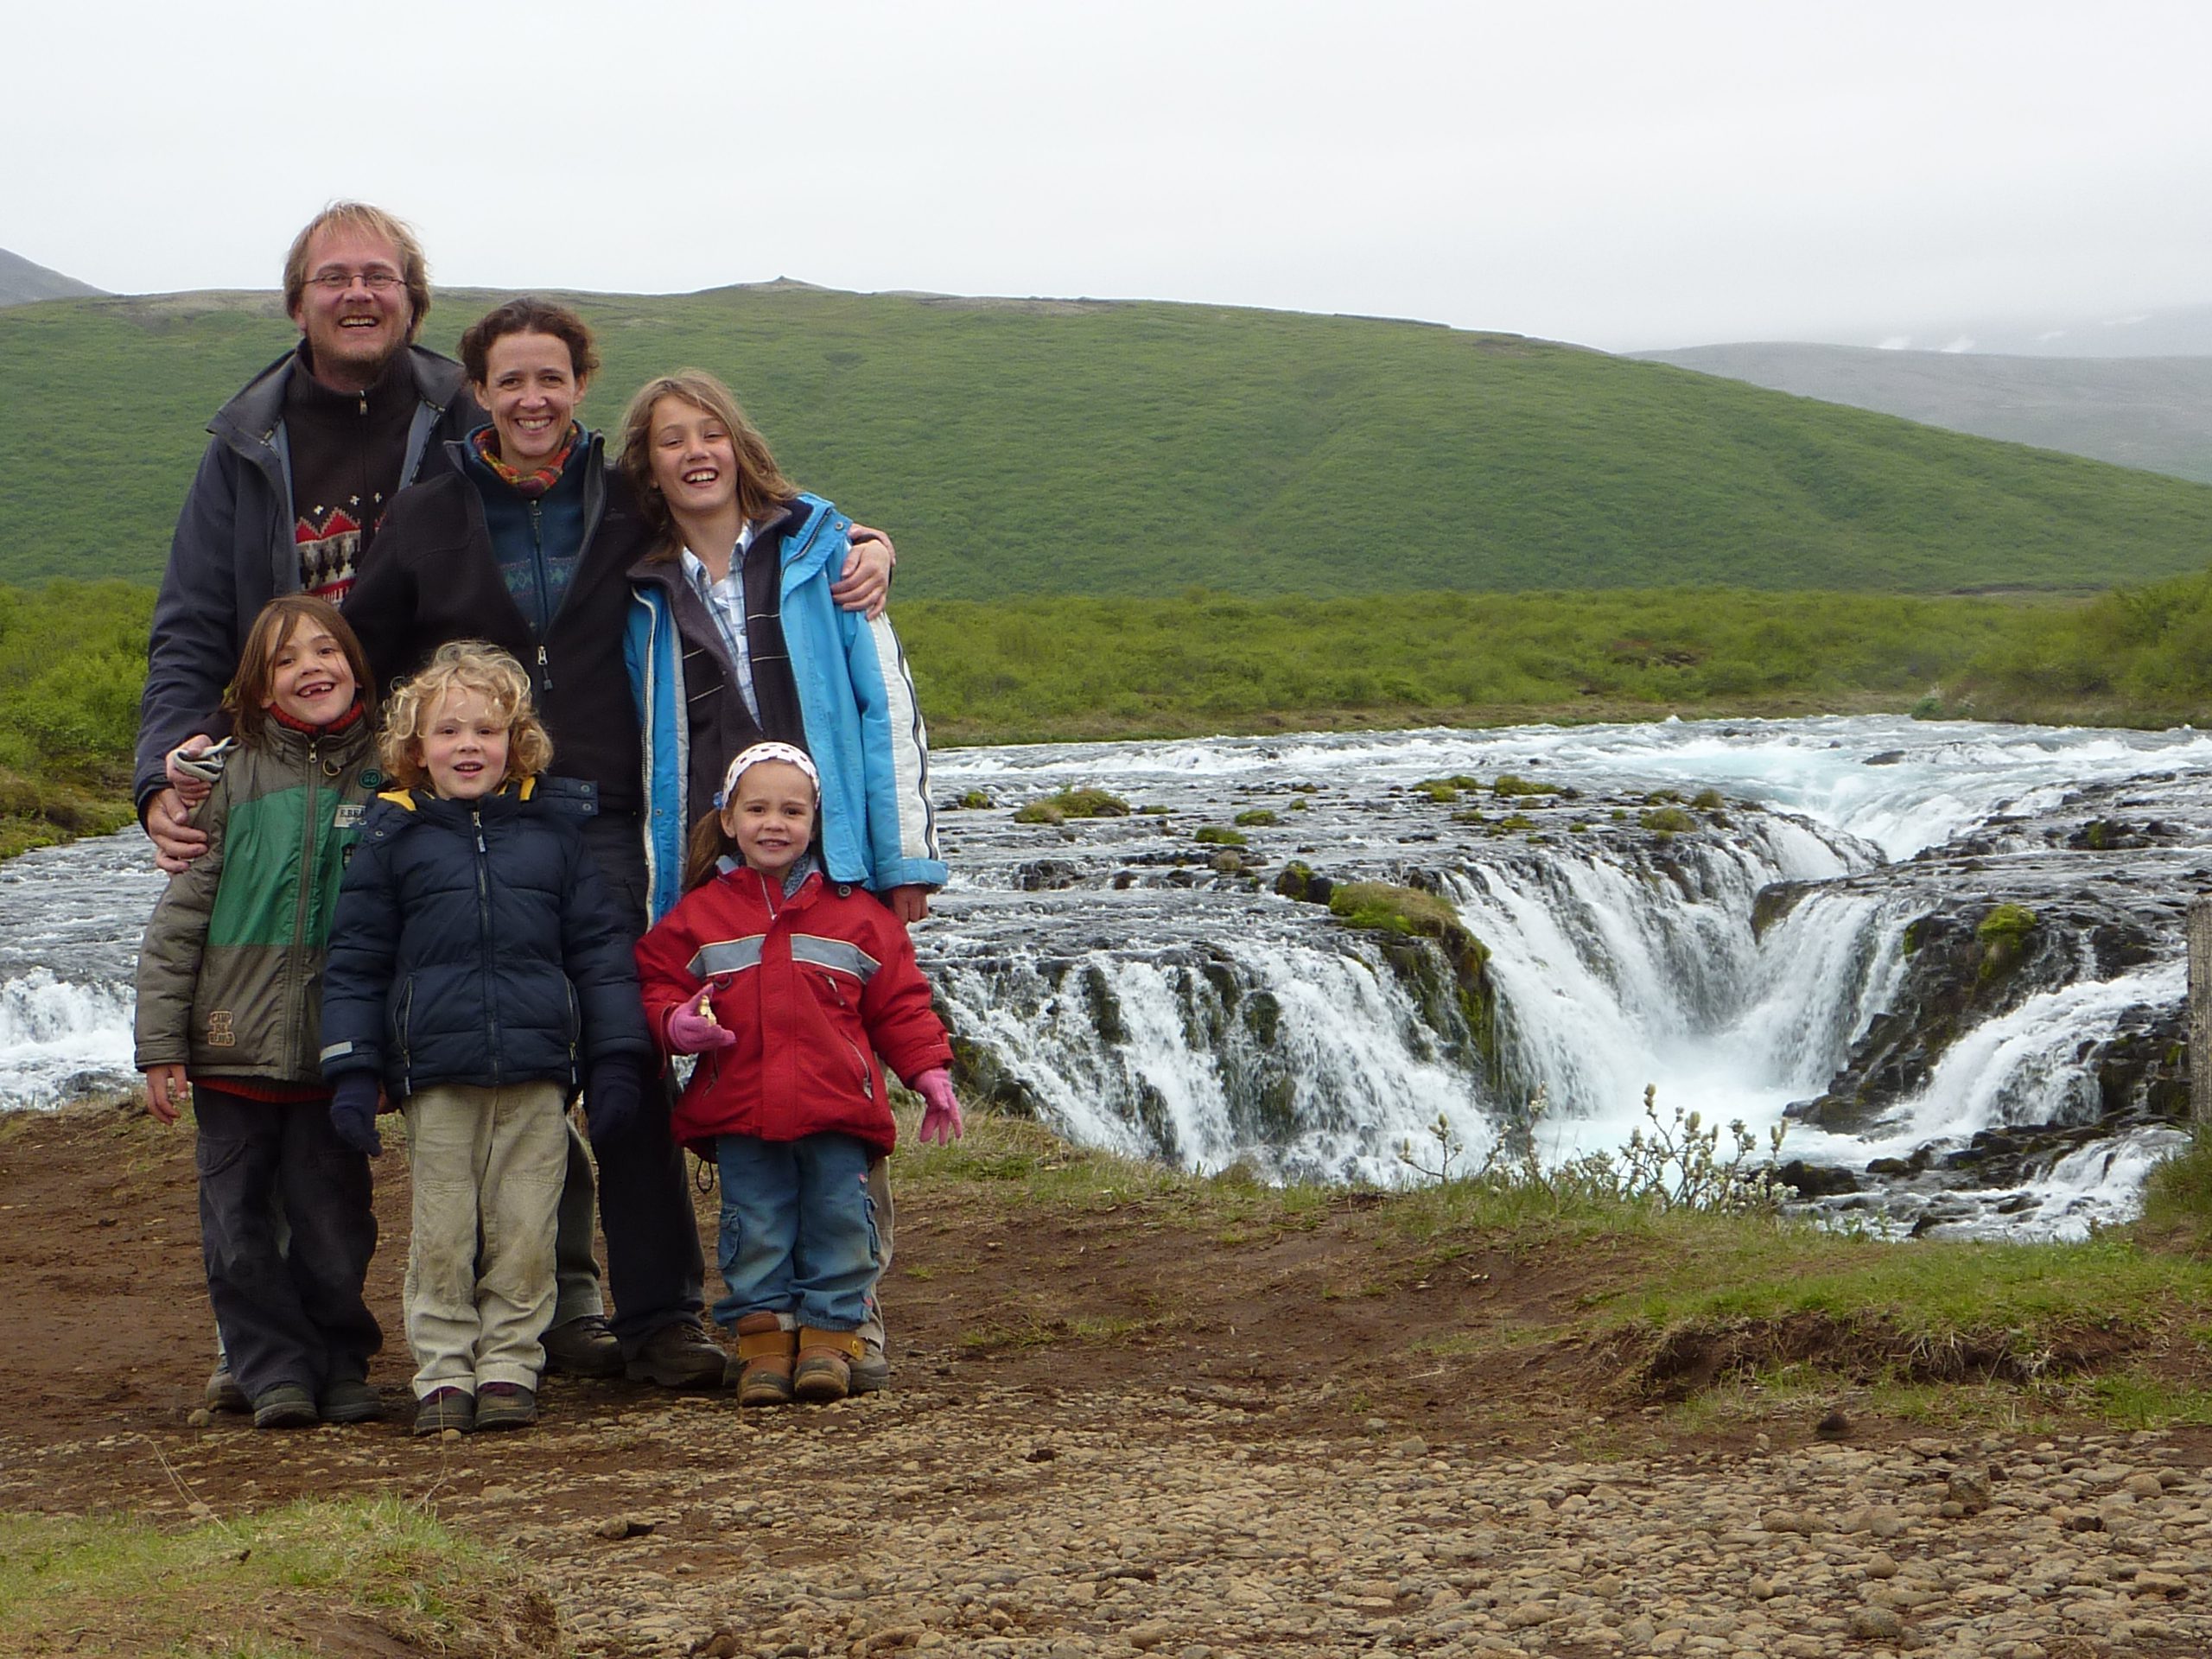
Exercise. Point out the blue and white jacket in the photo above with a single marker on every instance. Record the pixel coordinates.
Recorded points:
(863, 724)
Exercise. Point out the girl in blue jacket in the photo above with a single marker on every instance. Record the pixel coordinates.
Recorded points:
(479, 972)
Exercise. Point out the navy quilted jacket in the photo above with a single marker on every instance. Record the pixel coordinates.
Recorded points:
(475, 943)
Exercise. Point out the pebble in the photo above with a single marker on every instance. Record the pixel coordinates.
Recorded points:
(927, 1525)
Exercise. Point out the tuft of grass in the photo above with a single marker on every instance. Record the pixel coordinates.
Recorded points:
(1391, 909)
(122, 1585)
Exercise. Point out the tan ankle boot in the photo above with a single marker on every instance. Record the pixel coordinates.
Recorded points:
(825, 1359)
(764, 1353)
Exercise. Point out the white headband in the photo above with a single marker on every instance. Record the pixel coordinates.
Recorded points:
(759, 754)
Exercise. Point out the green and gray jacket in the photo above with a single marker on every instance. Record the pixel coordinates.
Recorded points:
(230, 974)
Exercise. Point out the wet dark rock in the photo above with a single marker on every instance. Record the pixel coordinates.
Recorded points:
(1818, 1180)
(1046, 875)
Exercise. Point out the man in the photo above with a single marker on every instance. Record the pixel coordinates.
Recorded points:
(296, 479)
(298, 472)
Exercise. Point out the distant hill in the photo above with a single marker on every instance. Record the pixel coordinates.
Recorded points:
(2170, 331)
(21, 282)
(1018, 447)
(2153, 412)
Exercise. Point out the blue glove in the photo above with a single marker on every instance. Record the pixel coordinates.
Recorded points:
(353, 1111)
(613, 1099)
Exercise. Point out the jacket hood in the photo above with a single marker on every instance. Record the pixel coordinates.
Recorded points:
(814, 532)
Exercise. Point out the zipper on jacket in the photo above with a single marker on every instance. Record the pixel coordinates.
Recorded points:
(537, 569)
(545, 670)
(407, 1035)
(867, 1083)
(484, 939)
(295, 995)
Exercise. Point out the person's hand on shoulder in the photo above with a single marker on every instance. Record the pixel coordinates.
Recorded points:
(864, 584)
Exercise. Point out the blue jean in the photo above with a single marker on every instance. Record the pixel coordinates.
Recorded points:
(797, 1230)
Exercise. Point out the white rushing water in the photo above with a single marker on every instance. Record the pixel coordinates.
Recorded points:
(1141, 1000)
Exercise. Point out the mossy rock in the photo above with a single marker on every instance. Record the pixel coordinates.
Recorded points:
(1668, 820)
(1073, 803)
(1257, 817)
(1215, 834)
(1412, 914)
(973, 800)
(1508, 784)
(2003, 934)
(1299, 881)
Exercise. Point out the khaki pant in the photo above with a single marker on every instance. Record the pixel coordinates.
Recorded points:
(487, 1166)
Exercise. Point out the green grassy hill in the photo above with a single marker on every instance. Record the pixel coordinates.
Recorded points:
(1069, 447)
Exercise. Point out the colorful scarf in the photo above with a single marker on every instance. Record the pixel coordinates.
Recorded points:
(531, 485)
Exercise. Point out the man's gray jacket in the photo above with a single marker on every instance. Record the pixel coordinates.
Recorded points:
(235, 550)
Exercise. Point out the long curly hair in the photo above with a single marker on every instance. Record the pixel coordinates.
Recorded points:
(463, 666)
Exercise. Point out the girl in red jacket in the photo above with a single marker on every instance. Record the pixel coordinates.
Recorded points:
(787, 986)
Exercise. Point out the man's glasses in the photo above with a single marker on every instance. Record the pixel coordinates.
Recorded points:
(337, 282)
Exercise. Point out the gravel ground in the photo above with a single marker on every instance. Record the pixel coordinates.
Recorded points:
(999, 1521)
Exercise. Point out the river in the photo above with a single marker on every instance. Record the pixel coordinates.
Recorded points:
(1150, 992)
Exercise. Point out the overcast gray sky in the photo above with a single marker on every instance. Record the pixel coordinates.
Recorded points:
(1622, 175)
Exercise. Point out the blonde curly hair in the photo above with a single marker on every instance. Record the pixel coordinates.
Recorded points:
(463, 666)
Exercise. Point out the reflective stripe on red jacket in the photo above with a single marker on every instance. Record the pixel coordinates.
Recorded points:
(815, 985)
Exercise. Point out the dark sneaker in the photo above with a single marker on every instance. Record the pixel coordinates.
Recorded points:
(349, 1399)
(285, 1406)
(871, 1372)
(583, 1347)
(504, 1405)
(679, 1355)
(444, 1408)
(224, 1393)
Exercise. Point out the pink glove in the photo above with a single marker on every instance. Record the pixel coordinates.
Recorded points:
(941, 1121)
(692, 1029)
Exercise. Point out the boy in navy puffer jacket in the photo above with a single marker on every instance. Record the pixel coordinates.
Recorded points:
(479, 972)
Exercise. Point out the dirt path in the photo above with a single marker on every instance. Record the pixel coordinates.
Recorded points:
(1110, 1435)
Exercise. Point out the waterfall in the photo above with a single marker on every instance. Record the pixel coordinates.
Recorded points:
(1758, 945)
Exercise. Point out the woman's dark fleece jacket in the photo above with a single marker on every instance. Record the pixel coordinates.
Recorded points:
(432, 576)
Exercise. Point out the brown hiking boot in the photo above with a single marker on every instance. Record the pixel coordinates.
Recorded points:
(679, 1355)
(825, 1361)
(224, 1393)
(584, 1346)
(763, 1355)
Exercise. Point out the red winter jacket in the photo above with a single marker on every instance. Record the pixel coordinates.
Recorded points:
(814, 985)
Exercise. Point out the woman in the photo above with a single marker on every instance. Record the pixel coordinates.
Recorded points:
(735, 625)
(736, 638)
(526, 540)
